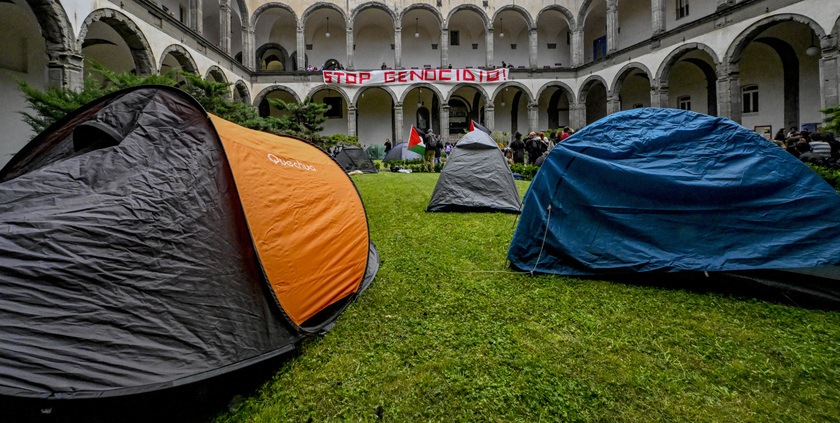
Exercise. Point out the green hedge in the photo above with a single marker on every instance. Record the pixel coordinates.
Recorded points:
(527, 171)
(832, 176)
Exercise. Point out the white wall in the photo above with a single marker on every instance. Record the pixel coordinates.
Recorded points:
(634, 22)
(688, 80)
(22, 56)
(375, 122)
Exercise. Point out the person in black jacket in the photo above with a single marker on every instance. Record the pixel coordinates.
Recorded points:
(518, 148)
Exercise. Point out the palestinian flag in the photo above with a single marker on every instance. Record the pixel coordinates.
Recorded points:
(475, 125)
(415, 141)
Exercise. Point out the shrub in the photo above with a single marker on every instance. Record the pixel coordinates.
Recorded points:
(832, 176)
(527, 171)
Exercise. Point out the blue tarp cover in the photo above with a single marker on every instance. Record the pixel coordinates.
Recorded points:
(672, 190)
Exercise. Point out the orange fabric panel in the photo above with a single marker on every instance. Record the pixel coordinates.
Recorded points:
(305, 216)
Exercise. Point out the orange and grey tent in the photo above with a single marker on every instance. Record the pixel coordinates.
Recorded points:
(145, 244)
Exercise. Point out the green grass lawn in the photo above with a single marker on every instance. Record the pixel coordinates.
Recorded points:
(446, 333)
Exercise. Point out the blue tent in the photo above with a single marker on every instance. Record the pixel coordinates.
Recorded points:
(672, 190)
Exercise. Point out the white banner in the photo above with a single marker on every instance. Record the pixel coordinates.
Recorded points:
(411, 76)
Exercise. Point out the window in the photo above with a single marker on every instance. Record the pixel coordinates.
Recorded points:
(749, 99)
(475, 46)
(682, 8)
(182, 14)
(638, 106)
(454, 38)
(552, 46)
(513, 46)
(685, 103)
(599, 48)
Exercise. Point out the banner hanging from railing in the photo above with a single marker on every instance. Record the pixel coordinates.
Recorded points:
(413, 76)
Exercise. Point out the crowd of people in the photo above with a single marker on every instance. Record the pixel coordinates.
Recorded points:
(535, 147)
(819, 148)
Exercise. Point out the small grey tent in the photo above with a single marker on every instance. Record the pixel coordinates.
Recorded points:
(353, 158)
(476, 178)
(401, 152)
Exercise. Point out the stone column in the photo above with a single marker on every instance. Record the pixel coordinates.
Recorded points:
(351, 120)
(398, 123)
(829, 79)
(197, 16)
(659, 96)
(397, 46)
(489, 117)
(300, 41)
(532, 48)
(488, 39)
(577, 115)
(66, 70)
(729, 95)
(224, 26)
(533, 116)
(612, 26)
(577, 47)
(657, 16)
(349, 64)
(444, 123)
(613, 104)
(444, 47)
(249, 52)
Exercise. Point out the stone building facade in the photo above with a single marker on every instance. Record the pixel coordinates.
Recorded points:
(766, 64)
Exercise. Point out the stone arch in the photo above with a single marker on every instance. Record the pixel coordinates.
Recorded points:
(835, 34)
(624, 72)
(570, 93)
(324, 5)
(587, 84)
(583, 11)
(421, 6)
(736, 48)
(385, 88)
(664, 71)
(141, 51)
(216, 72)
(182, 56)
(55, 27)
(271, 5)
(570, 18)
(529, 20)
(242, 89)
(478, 88)
(267, 46)
(339, 90)
(483, 16)
(431, 87)
(265, 92)
(509, 84)
(243, 10)
(374, 5)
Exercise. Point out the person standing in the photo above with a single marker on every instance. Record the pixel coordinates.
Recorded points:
(518, 148)
(438, 150)
(387, 145)
(430, 142)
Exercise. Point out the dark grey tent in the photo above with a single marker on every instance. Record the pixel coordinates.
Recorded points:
(476, 178)
(146, 245)
(353, 158)
(401, 152)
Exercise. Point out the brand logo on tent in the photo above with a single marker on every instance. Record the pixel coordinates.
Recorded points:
(297, 164)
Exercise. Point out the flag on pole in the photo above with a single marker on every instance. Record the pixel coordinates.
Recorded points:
(475, 125)
(415, 141)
